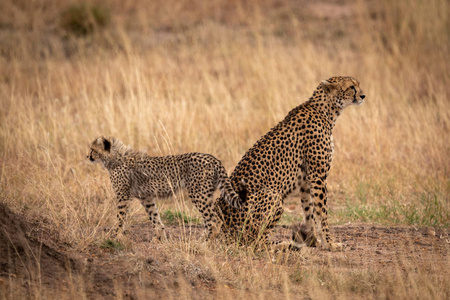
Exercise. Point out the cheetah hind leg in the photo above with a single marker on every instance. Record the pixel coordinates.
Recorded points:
(286, 246)
(213, 225)
(204, 202)
(302, 235)
(265, 210)
(277, 246)
(216, 225)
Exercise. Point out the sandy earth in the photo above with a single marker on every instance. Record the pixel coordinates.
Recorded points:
(366, 246)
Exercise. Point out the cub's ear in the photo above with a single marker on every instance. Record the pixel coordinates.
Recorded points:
(106, 145)
(329, 86)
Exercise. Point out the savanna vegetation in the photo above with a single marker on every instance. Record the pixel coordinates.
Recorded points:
(180, 76)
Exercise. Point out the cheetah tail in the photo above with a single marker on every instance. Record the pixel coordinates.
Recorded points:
(228, 192)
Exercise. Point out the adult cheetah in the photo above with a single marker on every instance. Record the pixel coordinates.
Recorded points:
(135, 174)
(297, 152)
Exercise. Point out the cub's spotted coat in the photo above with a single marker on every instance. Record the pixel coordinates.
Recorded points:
(135, 174)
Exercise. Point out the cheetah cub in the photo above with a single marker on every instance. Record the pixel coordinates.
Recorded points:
(135, 174)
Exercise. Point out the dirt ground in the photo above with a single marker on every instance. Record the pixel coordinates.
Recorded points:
(30, 263)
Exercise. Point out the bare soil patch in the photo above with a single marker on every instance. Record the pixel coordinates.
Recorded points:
(25, 259)
(105, 273)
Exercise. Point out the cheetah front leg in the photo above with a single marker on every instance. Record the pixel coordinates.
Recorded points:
(318, 192)
(122, 208)
(152, 210)
(308, 210)
(122, 191)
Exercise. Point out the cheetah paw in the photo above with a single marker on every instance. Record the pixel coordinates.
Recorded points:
(335, 247)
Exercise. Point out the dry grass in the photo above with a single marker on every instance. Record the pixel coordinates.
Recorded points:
(181, 76)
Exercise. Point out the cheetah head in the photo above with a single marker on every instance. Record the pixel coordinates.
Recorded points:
(344, 91)
(100, 149)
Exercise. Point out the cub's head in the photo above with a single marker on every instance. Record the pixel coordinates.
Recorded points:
(344, 91)
(100, 149)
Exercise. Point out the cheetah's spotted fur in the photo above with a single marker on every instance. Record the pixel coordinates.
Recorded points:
(295, 153)
(135, 174)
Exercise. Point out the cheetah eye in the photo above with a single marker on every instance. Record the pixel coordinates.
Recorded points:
(353, 88)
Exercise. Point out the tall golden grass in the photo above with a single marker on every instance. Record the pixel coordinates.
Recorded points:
(180, 76)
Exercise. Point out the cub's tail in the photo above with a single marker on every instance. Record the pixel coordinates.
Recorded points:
(228, 193)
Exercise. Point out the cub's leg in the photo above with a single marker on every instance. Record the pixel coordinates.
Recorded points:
(122, 208)
(202, 197)
(152, 211)
(122, 191)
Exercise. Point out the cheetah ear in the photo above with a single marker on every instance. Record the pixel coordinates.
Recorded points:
(329, 86)
(106, 145)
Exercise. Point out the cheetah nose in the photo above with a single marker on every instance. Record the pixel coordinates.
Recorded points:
(363, 96)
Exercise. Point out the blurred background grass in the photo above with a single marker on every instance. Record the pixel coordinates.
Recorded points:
(176, 76)
(213, 76)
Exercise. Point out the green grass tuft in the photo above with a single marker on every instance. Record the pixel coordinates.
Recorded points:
(430, 212)
(111, 245)
(82, 19)
(176, 217)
